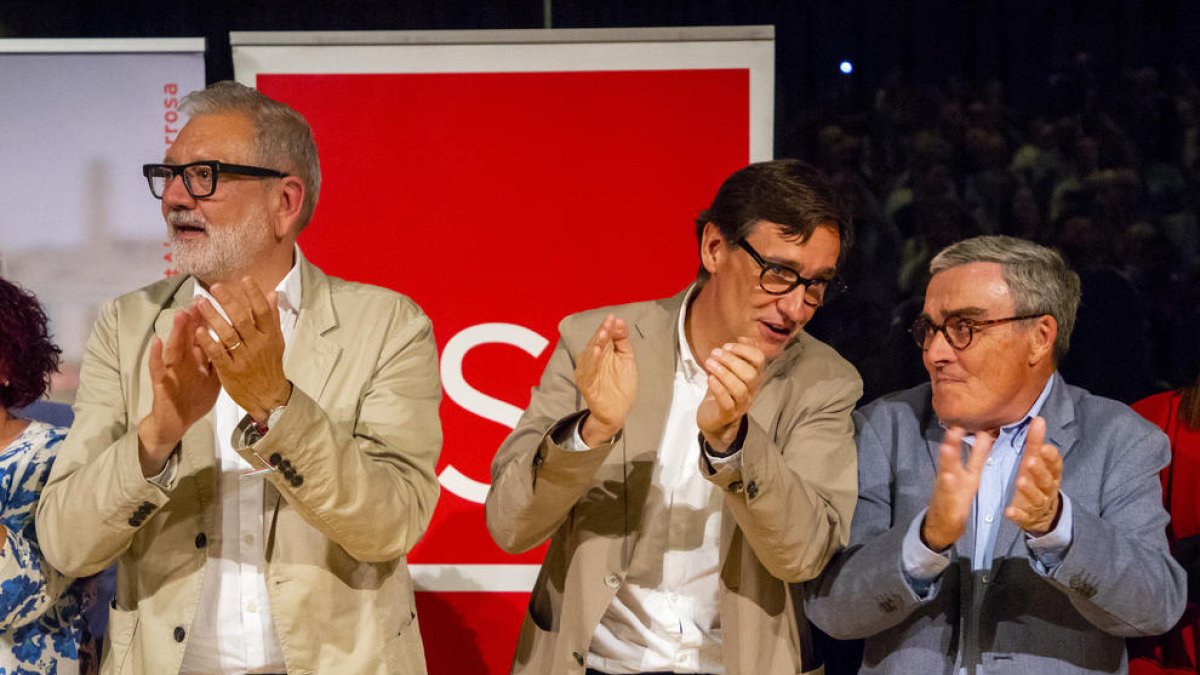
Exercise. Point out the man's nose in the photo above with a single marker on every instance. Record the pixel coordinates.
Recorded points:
(175, 194)
(938, 349)
(795, 306)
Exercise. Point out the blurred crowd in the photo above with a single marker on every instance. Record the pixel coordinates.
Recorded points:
(1102, 168)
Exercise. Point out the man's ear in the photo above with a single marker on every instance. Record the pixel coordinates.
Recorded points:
(712, 247)
(1042, 335)
(290, 201)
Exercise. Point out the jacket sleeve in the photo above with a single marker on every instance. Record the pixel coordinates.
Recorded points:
(793, 493)
(1118, 571)
(536, 482)
(864, 590)
(369, 485)
(96, 498)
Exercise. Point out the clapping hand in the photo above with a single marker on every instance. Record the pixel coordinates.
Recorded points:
(606, 374)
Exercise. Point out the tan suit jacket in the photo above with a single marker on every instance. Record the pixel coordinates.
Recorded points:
(786, 511)
(361, 432)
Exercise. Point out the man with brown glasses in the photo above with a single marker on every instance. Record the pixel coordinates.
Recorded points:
(1006, 521)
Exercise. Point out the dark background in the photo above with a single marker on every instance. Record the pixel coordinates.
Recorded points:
(1020, 42)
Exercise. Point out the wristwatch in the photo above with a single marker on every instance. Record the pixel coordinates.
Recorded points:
(272, 419)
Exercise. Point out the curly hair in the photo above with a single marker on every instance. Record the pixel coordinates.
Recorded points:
(27, 356)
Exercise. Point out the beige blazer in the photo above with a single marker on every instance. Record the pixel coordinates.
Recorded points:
(786, 511)
(362, 435)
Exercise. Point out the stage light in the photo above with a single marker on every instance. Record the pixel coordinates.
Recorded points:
(846, 67)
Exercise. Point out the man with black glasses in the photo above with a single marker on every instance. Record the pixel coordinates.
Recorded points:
(1006, 521)
(254, 442)
(688, 457)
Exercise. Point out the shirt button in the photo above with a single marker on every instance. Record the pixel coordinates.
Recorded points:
(985, 577)
(201, 540)
(681, 658)
(248, 539)
(735, 486)
(180, 633)
(578, 657)
(251, 607)
(673, 596)
(612, 581)
(987, 518)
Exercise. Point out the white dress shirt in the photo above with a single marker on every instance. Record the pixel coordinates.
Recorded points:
(665, 615)
(233, 631)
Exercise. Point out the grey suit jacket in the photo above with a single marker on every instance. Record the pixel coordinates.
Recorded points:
(361, 434)
(786, 511)
(1116, 580)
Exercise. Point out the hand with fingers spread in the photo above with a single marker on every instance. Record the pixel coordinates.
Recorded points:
(734, 376)
(185, 388)
(606, 374)
(1036, 500)
(954, 489)
(248, 352)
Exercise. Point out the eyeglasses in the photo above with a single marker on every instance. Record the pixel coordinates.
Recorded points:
(958, 330)
(781, 280)
(199, 178)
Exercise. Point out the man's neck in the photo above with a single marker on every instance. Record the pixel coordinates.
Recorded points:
(699, 318)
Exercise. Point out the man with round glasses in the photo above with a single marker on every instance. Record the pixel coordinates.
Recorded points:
(1006, 521)
(688, 457)
(254, 442)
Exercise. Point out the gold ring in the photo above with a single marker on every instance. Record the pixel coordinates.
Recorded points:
(229, 349)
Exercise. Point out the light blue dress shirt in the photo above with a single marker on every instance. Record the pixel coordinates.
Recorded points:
(923, 566)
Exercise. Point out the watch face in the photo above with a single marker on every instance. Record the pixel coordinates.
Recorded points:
(273, 418)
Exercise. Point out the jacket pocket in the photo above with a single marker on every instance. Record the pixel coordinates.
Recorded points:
(118, 640)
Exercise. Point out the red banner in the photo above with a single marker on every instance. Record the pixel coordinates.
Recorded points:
(501, 202)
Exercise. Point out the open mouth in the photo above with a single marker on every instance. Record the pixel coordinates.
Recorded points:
(779, 331)
(184, 226)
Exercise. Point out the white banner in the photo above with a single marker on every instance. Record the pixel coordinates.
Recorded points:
(78, 119)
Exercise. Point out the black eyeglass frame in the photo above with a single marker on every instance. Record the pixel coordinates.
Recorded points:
(971, 325)
(831, 286)
(217, 168)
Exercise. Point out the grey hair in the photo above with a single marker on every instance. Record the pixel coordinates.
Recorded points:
(1038, 279)
(282, 138)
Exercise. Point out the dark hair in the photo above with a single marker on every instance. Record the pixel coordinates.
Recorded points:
(27, 356)
(1189, 406)
(790, 193)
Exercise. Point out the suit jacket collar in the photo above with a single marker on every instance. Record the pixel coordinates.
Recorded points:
(310, 356)
(656, 358)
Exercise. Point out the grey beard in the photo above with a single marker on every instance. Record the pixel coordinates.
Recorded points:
(224, 250)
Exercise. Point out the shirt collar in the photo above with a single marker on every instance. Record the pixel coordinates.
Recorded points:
(288, 292)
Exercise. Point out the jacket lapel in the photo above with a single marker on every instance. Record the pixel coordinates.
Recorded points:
(196, 456)
(1059, 413)
(934, 433)
(654, 344)
(177, 299)
(310, 356)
